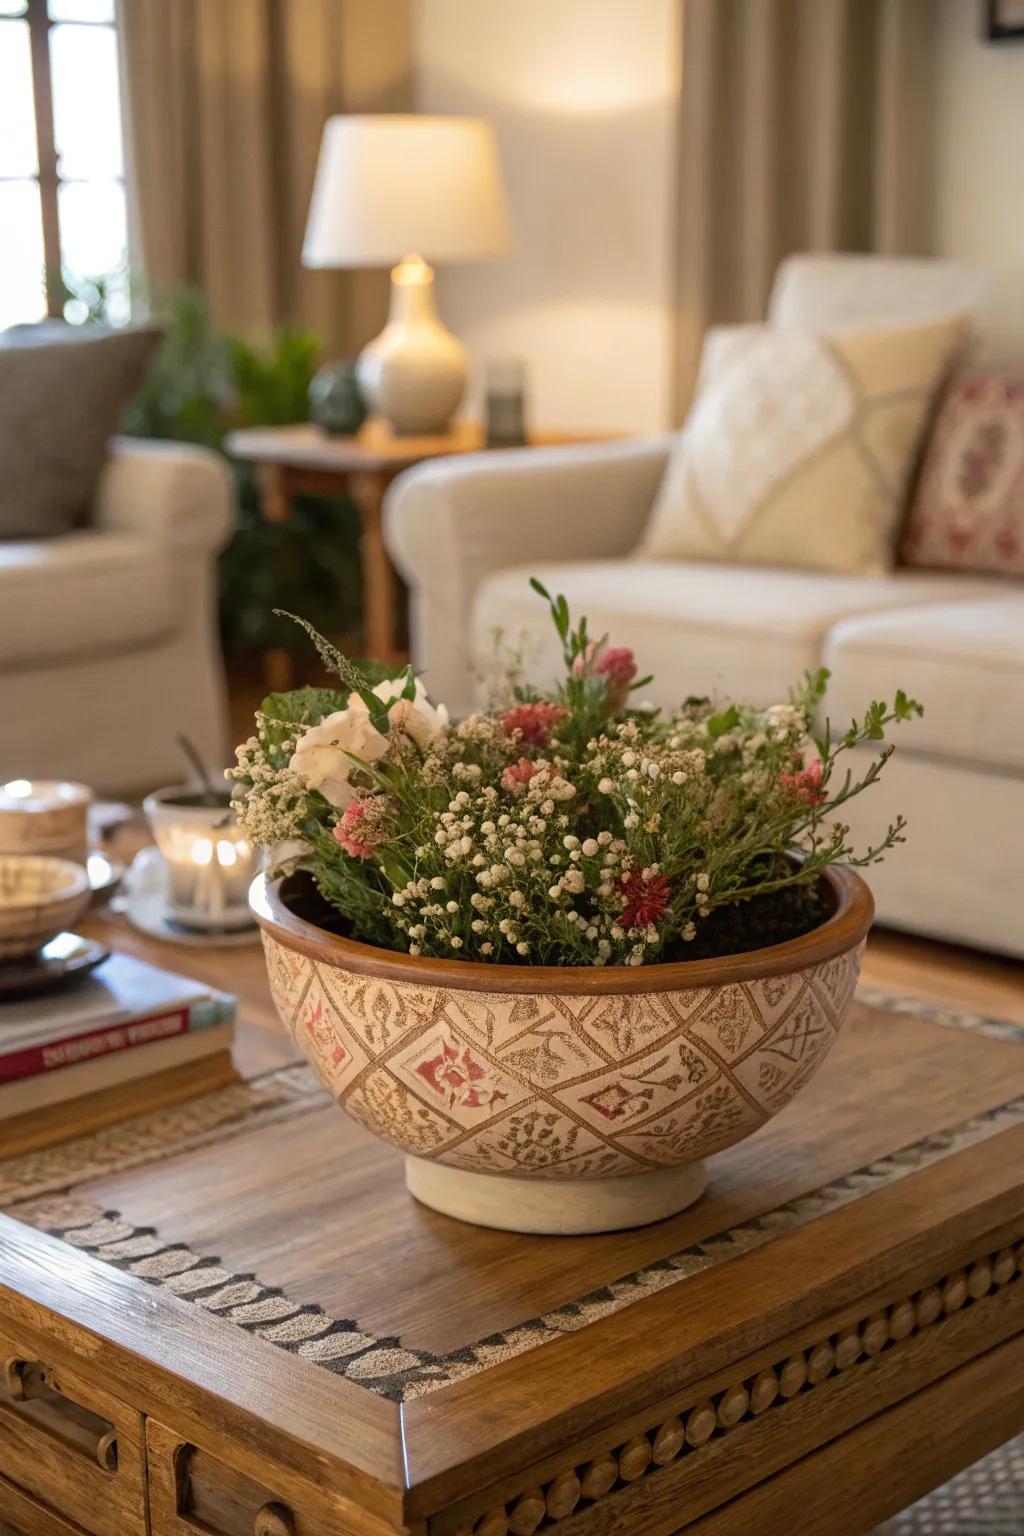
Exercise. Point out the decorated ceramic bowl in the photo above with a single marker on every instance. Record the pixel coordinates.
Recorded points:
(546, 1099)
(39, 897)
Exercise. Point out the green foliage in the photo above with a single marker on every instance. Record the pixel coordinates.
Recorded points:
(566, 828)
(282, 712)
(272, 387)
(199, 387)
(188, 394)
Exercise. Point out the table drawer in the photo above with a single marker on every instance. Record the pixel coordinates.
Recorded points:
(22, 1515)
(196, 1492)
(69, 1443)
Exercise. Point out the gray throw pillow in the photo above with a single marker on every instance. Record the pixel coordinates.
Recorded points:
(60, 403)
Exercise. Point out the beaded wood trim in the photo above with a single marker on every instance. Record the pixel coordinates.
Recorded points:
(579, 1487)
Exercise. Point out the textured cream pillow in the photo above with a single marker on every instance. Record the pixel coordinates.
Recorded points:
(799, 447)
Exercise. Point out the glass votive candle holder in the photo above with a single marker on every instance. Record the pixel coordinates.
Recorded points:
(45, 816)
(210, 861)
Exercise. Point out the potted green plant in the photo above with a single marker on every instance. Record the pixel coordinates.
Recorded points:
(561, 951)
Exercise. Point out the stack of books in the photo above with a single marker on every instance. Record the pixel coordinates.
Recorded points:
(128, 1039)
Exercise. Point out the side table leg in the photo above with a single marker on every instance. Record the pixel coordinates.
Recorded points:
(367, 489)
(275, 507)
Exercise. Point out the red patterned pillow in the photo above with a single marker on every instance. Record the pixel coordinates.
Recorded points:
(968, 513)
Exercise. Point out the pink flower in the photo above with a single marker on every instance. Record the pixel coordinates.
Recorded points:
(646, 898)
(805, 785)
(616, 664)
(533, 722)
(359, 831)
(584, 662)
(518, 773)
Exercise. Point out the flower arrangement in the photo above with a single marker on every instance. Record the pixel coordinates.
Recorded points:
(564, 828)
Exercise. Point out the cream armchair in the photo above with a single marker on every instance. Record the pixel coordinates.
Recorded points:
(108, 642)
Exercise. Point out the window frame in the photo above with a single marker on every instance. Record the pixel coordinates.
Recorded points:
(46, 176)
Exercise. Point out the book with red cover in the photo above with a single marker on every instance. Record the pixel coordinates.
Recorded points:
(124, 1005)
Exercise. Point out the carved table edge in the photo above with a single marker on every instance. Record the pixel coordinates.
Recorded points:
(583, 1483)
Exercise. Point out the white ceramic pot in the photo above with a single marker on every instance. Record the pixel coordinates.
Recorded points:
(545, 1099)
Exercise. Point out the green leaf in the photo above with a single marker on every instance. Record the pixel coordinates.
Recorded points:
(302, 706)
(718, 725)
(904, 708)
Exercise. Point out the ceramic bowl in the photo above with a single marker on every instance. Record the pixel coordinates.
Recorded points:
(552, 1099)
(39, 897)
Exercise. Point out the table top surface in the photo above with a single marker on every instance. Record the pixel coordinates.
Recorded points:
(420, 1355)
(374, 447)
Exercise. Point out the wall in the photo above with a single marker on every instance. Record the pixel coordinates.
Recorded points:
(979, 139)
(582, 95)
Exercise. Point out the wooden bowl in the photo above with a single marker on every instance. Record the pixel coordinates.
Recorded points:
(562, 1099)
(39, 897)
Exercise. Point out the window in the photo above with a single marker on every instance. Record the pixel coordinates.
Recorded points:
(63, 226)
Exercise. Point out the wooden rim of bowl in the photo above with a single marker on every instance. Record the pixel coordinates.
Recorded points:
(846, 928)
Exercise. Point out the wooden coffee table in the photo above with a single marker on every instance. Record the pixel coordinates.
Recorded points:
(228, 1316)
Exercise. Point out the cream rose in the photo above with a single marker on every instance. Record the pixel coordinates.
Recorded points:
(321, 757)
(417, 717)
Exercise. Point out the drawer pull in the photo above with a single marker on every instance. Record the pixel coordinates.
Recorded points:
(274, 1520)
(214, 1499)
(31, 1385)
(26, 1379)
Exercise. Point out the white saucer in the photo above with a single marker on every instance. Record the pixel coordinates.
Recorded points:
(145, 904)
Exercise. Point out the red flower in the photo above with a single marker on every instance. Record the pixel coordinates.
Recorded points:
(518, 773)
(646, 898)
(533, 722)
(805, 785)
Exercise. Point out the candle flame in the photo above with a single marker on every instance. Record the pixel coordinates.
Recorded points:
(202, 850)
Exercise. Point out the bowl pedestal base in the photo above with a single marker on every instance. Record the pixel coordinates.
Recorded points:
(558, 1207)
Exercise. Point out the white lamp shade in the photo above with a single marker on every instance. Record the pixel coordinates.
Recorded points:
(387, 187)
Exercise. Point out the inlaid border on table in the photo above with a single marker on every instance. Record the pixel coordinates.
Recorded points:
(42, 1185)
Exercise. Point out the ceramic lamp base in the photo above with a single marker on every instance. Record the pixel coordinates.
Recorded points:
(557, 1207)
(414, 373)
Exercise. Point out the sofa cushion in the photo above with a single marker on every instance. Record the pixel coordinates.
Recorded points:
(963, 660)
(968, 513)
(60, 401)
(799, 447)
(81, 595)
(700, 628)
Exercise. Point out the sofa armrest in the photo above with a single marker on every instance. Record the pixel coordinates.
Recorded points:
(453, 521)
(175, 494)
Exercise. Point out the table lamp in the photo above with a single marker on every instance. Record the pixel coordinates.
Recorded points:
(409, 190)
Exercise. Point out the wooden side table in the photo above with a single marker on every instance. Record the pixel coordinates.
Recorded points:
(292, 461)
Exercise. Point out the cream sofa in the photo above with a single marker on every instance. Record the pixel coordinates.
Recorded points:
(466, 534)
(108, 642)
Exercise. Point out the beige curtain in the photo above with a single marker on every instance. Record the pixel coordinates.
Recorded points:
(804, 126)
(225, 103)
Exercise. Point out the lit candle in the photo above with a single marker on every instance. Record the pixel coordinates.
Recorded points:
(210, 863)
